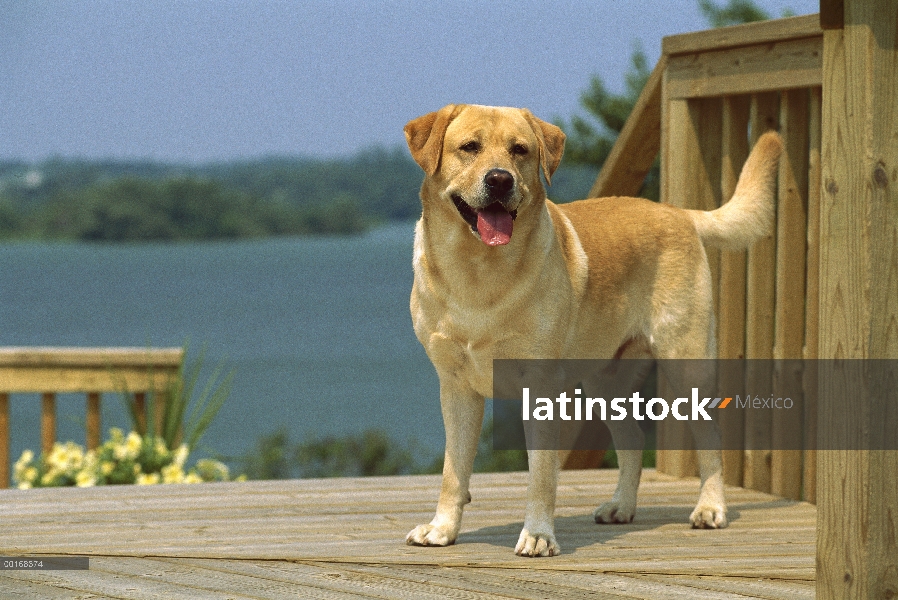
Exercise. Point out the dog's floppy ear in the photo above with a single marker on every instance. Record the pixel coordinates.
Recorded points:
(551, 144)
(425, 136)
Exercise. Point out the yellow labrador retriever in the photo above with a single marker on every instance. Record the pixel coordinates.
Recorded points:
(502, 272)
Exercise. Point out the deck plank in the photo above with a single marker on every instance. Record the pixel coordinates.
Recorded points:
(343, 538)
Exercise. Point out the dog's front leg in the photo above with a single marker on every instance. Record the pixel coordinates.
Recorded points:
(628, 443)
(538, 535)
(463, 419)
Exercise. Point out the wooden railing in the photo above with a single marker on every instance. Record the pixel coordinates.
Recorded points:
(92, 371)
(711, 95)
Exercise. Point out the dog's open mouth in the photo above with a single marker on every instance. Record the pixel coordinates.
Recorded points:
(494, 223)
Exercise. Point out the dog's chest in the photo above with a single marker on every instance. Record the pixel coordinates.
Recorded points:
(462, 342)
(467, 360)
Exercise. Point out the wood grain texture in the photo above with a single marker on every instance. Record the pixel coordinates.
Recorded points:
(48, 421)
(93, 425)
(767, 67)
(692, 180)
(791, 275)
(87, 369)
(92, 357)
(731, 302)
(343, 538)
(760, 319)
(676, 130)
(761, 32)
(4, 439)
(812, 290)
(79, 380)
(857, 497)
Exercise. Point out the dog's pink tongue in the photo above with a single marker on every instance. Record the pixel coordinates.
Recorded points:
(494, 227)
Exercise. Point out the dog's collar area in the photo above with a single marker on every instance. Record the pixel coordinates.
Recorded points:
(470, 215)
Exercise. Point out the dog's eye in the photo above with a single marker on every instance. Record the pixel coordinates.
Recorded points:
(471, 146)
(519, 149)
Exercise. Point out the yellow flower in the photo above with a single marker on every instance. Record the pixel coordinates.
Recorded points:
(49, 476)
(66, 457)
(143, 479)
(159, 447)
(29, 475)
(27, 457)
(22, 464)
(90, 460)
(172, 474)
(181, 455)
(25, 485)
(133, 444)
(107, 467)
(192, 477)
(119, 451)
(85, 479)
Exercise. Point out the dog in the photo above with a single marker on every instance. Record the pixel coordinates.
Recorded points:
(500, 271)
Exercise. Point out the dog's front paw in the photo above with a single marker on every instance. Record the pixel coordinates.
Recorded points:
(614, 512)
(709, 516)
(537, 544)
(429, 535)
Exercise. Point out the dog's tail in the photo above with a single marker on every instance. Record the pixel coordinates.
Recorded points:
(748, 215)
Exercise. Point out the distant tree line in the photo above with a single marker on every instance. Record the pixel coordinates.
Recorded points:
(370, 452)
(143, 201)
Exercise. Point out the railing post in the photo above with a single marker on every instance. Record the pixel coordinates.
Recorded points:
(48, 421)
(160, 399)
(90, 371)
(4, 440)
(140, 412)
(812, 290)
(857, 500)
(760, 316)
(731, 295)
(93, 420)
(791, 275)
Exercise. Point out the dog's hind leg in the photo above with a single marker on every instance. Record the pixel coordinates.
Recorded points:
(686, 346)
(463, 418)
(710, 512)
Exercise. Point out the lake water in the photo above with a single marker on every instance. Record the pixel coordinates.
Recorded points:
(318, 329)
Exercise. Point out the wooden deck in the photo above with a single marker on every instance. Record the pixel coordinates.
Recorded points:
(343, 538)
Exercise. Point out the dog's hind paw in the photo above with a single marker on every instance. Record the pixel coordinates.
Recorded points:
(614, 512)
(537, 544)
(708, 516)
(429, 535)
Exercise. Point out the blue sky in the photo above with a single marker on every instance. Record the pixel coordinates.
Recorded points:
(203, 80)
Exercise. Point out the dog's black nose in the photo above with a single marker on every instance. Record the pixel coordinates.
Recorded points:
(498, 182)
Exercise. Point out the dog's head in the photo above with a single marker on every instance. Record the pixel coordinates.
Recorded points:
(485, 162)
